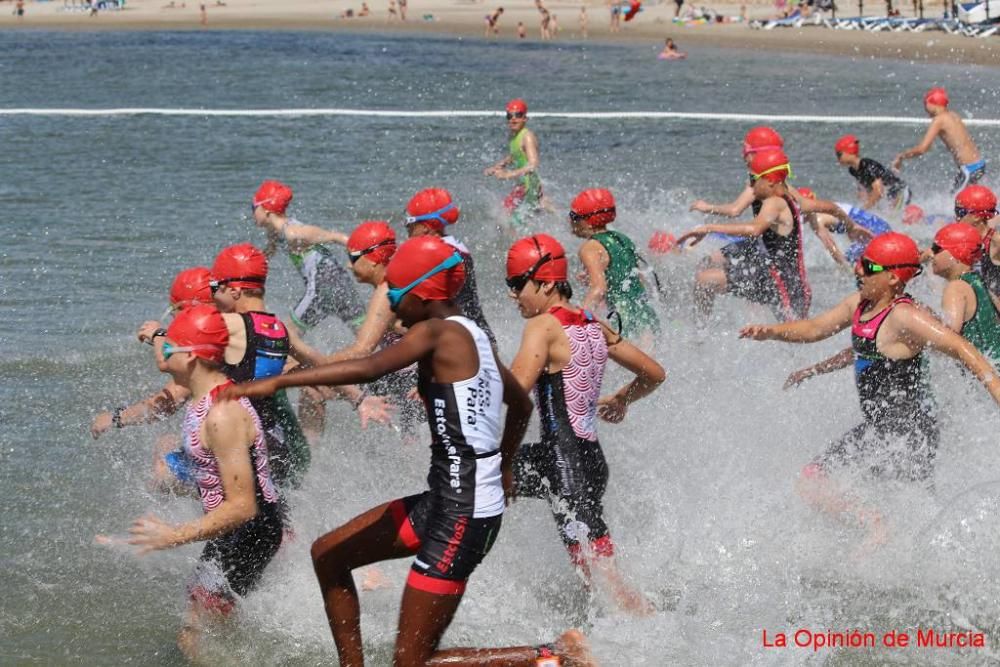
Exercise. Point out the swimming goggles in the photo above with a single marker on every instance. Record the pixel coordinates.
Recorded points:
(516, 284)
(169, 349)
(433, 215)
(870, 268)
(756, 177)
(936, 249)
(580, 217)
(515, 114)
(961, 212)
(396, 294)
(216, 285)
(355, 255)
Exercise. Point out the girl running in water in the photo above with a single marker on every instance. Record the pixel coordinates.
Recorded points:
(898, 438)
(562, 356)
(452, 526)
(329, 289)
(230, 466)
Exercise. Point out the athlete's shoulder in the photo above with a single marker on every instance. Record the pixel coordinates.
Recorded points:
(227, 419)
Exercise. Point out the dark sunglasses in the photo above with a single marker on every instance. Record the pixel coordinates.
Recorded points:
(870, 268)
(355, 255)
(515, 114)
(516, 284)
(580, 217)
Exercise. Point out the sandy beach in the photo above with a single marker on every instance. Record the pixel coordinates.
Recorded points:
(465, 18)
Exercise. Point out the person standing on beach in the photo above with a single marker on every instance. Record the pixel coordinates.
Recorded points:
(491, 22)
(522, 32)
(616, 15)
(948, 126)
(402, 10)
(521, 163)
(583, 21)
(19, 10)
(204, 15)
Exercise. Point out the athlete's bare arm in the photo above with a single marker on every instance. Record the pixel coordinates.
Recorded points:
(153, 408)
(733, 209)
(595, 260)
(648, 376)
(519, 408)
(812, 330)
(842, 359)
(300, 236)
(379, 320)
(533, 354)
(229, 433)
(924, 145)
(819, 223)
(956, 306)
(769, 214)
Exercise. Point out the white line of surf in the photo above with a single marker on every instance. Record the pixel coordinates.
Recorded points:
(458, 113)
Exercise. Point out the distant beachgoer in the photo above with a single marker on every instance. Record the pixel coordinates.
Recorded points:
(553, 27)
(522, 32)
(583, 21)
(670, 51)
(874, 180)
(677, 9)
(402, 10)
(492, 20)
(948, 126)
(392, 10)
(616, 12)
(19, 10)
(546, 21)
(365, 10)
(204, 14)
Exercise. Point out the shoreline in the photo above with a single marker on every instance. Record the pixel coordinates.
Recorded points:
(460, 19)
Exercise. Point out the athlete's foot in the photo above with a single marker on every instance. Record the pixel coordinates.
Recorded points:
(877, 537)
(373, 579)
(634, 603)
(574, 648)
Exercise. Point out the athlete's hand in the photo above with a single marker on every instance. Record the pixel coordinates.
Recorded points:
(491, 171)
(695, 236)
(701, 206)
(897, 164)
(147, 329)
(102, 422)
(507, 479)
(255, 389)
(798, 377)
(375, 409)
(756, 332)
(150, 534)
(612, 409)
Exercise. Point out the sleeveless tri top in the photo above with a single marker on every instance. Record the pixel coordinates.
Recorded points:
(786, 264)
(626, 293)
(983, 328)
(567, 399)
(466, 427)
(893, 392)
(206, 466)
(530, 181)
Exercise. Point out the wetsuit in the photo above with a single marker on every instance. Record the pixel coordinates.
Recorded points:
(567, 467)
(330, 288)
(626, 294)
(266, 352)
(899, 436)
(868, 171)
(526, 197)
(452, 526)
(771, 269)
(231, 564)
(467, 298)
(862, 218)
(983, 328)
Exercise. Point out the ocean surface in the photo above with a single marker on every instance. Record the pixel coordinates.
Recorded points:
(102, 211)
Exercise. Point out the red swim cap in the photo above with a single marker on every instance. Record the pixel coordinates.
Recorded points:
(976, 200)
(962, 240)
(373, 240)
(771, 164)
(526, 254)
(895, 249)
(847, 144)
(594, 207)
(200, 326)
(517, 106)
(760, 138)
(807, 193)
(273, 196)
(936, 96)
(912, 214)
(415, 258)
(433, 207)
(242, 266)
(191, 288)
(662, 242)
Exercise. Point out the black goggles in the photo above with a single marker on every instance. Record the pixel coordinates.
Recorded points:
(216, 285)
(580, 217)
(515, 114)
(961, 212)
(355, 255)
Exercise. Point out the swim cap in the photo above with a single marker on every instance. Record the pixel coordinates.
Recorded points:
(242, 266)
(962, 240)
(662, 242)
(771, 164)
(201, 326)
(595, 207)
(847, 144)
(433, 207)
(912, 214)
(807, 193)
(273, 196)
(416, 257)
(936, 96)
(191, 288)
(373, 240)
(517, 106)
(976, 200)
(895, 249)
(760, 138)
(526, 254)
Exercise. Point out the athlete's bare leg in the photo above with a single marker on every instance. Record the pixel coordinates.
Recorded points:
(708, 284)
(195, 619)
(823, 494)
(604, 570)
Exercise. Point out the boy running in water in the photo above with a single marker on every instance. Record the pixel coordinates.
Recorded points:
(452, 526)
(230, 466)
(521, 162)
(328, 286)
(948, 126)
(899, 436)
(612, 265)
(874, 180)
(562, 356)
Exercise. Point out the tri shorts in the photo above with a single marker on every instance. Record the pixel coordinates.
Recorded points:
(905, 453)
(448, 546)
(330, 290)
(969, 174)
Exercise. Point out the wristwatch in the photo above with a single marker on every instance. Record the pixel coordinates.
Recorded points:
(159, 332)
